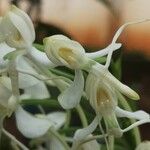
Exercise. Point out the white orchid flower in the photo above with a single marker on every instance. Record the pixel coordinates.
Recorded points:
(102, 90)
(65, 52)
(17, 29)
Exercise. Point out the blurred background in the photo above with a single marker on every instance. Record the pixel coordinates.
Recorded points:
(93, 24)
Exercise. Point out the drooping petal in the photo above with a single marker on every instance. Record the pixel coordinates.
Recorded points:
(4, 49)
(139, 115)
(37, 91)
(58, 118)
(80, 134)
(70, 97)
(31, 126)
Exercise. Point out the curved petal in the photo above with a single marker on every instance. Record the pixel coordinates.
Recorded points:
(139, 115)
(26, 18)
(37, 91)
(80, 134)
(22, 27)
(104, 51)
(31, 126)
(70, 98)
(58, 118)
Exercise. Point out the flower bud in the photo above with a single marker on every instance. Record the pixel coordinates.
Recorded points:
(63, 51)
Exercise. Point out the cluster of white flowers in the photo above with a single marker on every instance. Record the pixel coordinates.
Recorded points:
(23, 67)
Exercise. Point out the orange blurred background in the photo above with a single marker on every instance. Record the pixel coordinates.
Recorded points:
(92, 22)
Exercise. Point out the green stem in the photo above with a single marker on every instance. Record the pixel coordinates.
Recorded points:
(59, 137)
(111, 142)
(82, 116)
(68, 118)
(135, 130)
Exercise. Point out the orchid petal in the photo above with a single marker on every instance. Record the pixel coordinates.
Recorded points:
(58, 118)
(24, 64)
(41, 57)
(104, 51)
(26, 18)
(70, 98)
(80, 134)
(122, 87)
(37, 91)
(31, 126)
(139, 115)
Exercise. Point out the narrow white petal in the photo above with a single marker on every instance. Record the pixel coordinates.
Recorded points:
(125, 90)
(80, 134)
(58, 118)
(139, 115)
(31, 126)
(70, 98)
(104, 51)
(37, 91)
(140, 122)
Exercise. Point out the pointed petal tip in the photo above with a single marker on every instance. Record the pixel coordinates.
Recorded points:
(135, 96)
